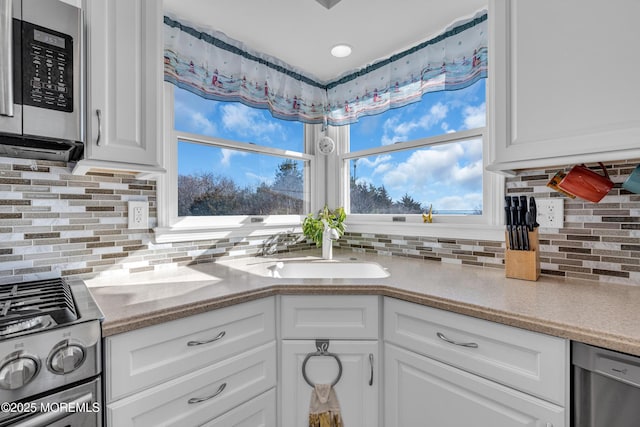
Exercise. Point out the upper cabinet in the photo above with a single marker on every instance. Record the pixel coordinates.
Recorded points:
(564, 84)
(124, 87)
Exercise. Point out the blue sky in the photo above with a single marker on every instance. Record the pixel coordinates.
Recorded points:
(447, 176)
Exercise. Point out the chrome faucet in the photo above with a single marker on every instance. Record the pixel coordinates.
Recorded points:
(328, 236)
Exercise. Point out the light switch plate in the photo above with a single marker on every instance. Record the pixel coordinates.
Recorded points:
(138, 215)
(550, 213)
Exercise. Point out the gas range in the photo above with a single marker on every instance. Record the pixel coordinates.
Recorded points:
(50, 351)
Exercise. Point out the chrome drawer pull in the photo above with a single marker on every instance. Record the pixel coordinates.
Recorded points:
(461, 344)
(202, 399)
(371, 365)
(194, 343)
(99, 114)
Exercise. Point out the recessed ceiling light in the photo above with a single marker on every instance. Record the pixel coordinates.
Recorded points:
(341, 50)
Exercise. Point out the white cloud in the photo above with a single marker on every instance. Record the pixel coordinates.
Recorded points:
(227, 154)
(475, 117)
(377, 161)
(382, 168)
(248, 122)
(396, 130)
(467, 202)
(430, 174)
(194, 120)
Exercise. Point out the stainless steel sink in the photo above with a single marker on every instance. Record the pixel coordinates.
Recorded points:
(328, 270)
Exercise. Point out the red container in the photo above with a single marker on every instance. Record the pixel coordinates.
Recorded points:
(587, 184)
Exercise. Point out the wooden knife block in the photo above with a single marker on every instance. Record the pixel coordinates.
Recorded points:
(523, 264)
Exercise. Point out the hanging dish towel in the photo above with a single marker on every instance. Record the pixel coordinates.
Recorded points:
(324, 410)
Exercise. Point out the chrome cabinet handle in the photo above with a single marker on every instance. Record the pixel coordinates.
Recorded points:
(194, 343)
(461, 344)
(202, 399)
(99, 114)
(6, 58)
(371, 365)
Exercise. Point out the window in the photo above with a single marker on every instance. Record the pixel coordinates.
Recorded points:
(411, 158)
(239, 170)
(243, 169)
(446, 177)
(234, 165)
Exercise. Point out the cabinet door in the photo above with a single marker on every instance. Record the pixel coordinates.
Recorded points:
(421, 391)
(564, 81)
(358, 400)
(125, 80)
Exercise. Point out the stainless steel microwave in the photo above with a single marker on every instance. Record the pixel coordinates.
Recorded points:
(41, 79)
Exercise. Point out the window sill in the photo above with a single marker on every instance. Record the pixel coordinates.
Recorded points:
(194, 234)
(442, 230)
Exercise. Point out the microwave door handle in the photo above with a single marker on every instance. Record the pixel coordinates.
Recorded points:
(6, 58)
(44, 419)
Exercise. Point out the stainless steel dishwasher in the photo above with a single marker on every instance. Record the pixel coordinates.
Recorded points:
(606, 388)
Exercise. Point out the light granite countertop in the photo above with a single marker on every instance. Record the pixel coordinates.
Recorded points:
(601, 314)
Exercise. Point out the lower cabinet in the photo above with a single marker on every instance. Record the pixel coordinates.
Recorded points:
(357, 390)
(199, 396)
(422, 391)
(230, 367)
(196, 370)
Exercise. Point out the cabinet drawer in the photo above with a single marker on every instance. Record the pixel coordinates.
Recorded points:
(258, 412)
(221, 387)
(329, 316)
(142, 358)
(532, 362)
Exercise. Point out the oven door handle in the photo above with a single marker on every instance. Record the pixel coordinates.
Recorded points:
(6, 58)
(44, 419)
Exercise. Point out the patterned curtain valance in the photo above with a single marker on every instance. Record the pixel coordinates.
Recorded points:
(214, 66)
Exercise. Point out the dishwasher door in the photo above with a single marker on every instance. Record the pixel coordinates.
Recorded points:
(606, 388)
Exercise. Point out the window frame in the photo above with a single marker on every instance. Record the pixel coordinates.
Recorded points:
(326, 182)
(479, 227)
(172, 228)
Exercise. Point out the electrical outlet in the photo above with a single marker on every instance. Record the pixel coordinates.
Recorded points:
(550, 213)
(138, 215)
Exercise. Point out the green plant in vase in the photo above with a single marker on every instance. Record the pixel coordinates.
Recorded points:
(313, 226)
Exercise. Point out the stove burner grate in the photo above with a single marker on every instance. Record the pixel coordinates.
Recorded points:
(35, 305)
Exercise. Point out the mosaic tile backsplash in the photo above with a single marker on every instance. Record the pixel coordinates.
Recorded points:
(55, 223)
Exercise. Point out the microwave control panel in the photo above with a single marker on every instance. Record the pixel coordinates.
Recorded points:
(47, 67)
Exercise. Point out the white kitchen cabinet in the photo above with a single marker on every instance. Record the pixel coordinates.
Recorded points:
(149, 356)
(528, 361)
(191, 370)
(421, 391)
(563, 85)
(457, 370)
(350, 324)
(357, 390)
(199, 396)
(124, 90)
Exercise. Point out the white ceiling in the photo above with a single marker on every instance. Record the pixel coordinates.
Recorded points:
(302, 32)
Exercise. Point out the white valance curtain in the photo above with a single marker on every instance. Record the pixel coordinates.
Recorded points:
(214, 66)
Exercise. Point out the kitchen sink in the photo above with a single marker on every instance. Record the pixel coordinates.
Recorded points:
(328, 270)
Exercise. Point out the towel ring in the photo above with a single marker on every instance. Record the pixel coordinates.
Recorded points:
(322, 347)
